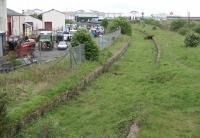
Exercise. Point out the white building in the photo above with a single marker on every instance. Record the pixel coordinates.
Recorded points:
(53, 20)
(70, 16)
(113, 15)
(159, 16)
(31, 12)
(34, 22)
(15, 23)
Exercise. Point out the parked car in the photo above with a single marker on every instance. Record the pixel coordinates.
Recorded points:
(12, 42)
(71, 34)
(25, 48)
(59, 36)
(62, 45)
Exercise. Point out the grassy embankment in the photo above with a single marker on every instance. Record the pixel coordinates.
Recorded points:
(164, 100)
(29, 87)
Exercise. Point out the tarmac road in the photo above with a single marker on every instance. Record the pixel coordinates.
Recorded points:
(49, 55)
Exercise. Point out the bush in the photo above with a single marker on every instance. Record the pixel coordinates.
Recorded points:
(184, 31)
(123, 23)
(192, 40)
(177, 24)
(3, 103)
(82, 36)
(105, 23)
(154, 28)
(152, 22)
(91, 51)
(197, 29)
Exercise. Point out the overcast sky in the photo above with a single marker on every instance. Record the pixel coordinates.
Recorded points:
(178, 7)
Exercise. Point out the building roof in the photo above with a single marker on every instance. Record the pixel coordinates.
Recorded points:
(52, 10)
(13, 13)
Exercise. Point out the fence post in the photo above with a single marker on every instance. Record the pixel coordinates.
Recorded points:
(70, 55)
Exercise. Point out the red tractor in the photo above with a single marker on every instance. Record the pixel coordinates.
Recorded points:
(25, 48)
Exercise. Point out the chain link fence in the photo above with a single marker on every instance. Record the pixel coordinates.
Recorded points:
(77, 54)
(72, 56)
(107, 39)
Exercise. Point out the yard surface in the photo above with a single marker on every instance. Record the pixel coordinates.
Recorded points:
(164, 99)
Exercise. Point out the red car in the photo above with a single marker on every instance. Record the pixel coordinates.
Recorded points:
(25, 48)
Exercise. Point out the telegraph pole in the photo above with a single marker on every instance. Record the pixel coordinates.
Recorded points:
(189, 20)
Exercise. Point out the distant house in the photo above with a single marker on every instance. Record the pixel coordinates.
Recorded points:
(19, 24)
(53, 20)
(34, 22)
(70, 16)
(113, 15)
(15, 23)
(31, 12)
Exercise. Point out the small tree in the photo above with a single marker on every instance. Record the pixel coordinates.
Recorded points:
(192, 40)
(38, 16)
(123, 23)
(105, 23)
(152, 22)
(177, 24)
(184, 31)
(82, 36)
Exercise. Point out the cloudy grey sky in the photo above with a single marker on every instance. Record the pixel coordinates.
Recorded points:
(179, 7)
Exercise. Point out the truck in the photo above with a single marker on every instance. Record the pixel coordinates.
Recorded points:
(67, 36)
(46, 40)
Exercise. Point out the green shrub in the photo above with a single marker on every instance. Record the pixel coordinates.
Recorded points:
(82, 36)
(184, 31)
(177, 24)
(192, 40)
(197, 29)
(67, 21)
(91, 51)
(152, 22)
(154, 28)
(3, 103)
(105, 23)
(123, 23)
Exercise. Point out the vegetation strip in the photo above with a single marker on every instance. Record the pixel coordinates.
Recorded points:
(158, 50)
(155, 42)
(12, 130)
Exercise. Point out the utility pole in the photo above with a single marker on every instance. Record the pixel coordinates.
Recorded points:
(189, 20)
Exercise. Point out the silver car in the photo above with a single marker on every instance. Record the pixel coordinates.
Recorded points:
(62, 45)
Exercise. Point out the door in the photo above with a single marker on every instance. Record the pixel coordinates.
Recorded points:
(48, 26)
(9, 29)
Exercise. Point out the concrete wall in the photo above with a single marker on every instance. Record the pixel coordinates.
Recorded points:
(3, 24)
(37, 24)
(3, 16)
(57, 18)
(17, 25)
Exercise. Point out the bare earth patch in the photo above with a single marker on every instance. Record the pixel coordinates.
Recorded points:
(133, 131)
